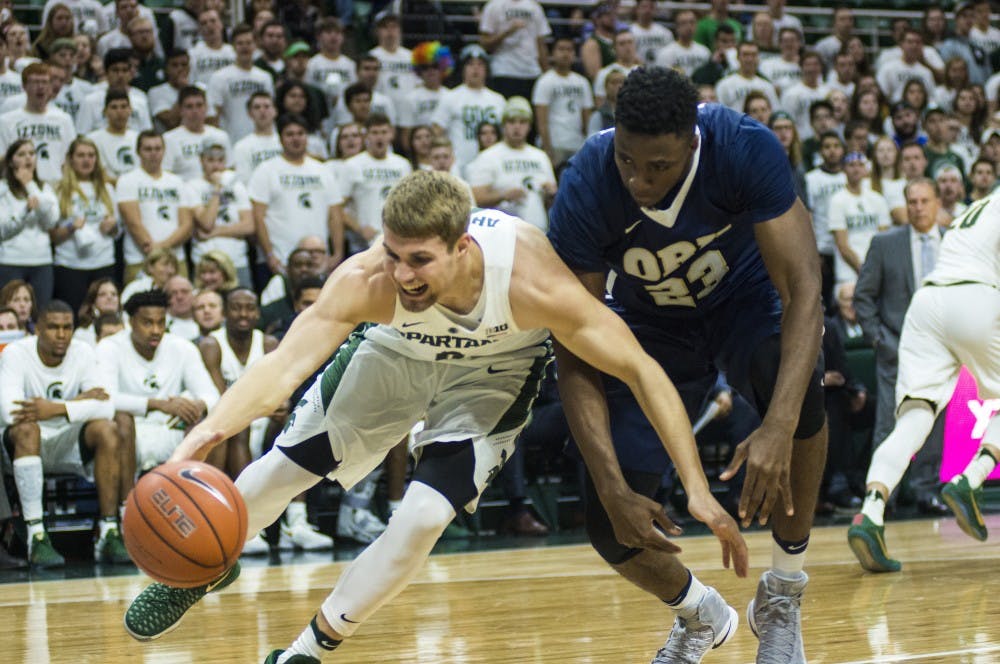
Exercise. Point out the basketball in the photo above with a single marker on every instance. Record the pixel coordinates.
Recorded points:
(185, 523)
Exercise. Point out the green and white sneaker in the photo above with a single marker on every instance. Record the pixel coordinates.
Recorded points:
(964, 502)
(159, 608)
(294, 659)
(867, 541)
(111, 549)
(43, 555)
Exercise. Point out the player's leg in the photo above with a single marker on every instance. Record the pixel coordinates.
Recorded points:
(126, 451)
(775, 612)
(978, 348)
(356, 520)
(702, 618)
(24, 444)
(101, 441)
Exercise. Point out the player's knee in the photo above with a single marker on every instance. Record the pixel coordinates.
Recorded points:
(424, 511)
(602, 538)
(27, 438)
(126, 425)
(765, 362)
(103, 435)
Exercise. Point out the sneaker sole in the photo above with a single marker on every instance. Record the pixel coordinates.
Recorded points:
(146, 637)
(862, 547)
(957, 507)
(731, 627)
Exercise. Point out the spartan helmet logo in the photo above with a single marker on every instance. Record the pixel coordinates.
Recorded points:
(305, 201)
(163, 212)
(224, 217)
(151, 382)
(54, 392)
(125, 157)
(528, 183)
(42, 150)
(385, 191)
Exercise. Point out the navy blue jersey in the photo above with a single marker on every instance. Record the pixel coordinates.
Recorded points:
(697, 249)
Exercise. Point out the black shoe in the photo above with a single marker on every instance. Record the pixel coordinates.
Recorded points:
(932, 506)
(845, 501)
(8, 561)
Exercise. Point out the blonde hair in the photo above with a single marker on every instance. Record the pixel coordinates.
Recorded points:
(223, 263)
(70, 183)
(157, 255)
(428, 204)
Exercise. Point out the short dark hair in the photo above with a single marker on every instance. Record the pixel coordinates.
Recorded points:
(150, 298)
(289, 119)
(329, 23)
(311, 281)
(854, 125)
(144, 134)
(54, 307)
(911, 144)
(275, 23)
(189, 91)
(377, 120)
(115, 94)
(367, 58)
(831, 134)
(117, 56)
(355, 89)
(255, 95)
(175, 53)
(655, 101)
(818, 104)
(239, 289)
(102, 321)
(984, 160)
(241, 29)
(726, 29)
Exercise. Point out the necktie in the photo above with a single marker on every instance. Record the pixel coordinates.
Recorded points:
(926, 256)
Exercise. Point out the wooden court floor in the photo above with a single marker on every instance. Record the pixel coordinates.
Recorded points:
(550, 604)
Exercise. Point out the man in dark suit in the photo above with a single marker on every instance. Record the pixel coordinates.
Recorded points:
(896, 263)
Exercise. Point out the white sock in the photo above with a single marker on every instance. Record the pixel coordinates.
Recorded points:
(874, 507)
(311, 642)
(980, 468)
(788, 564)
(29, 482)
(121, 512)
(391, 561)
(692, 598)
(105, 525)
(914, 423)
(296, 513)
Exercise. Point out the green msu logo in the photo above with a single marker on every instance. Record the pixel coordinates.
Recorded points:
(163, 212)
(42, 150)
(305, 201)
(54, 392)
(125, 156)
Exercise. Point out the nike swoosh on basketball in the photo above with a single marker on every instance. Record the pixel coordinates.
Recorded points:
(491, 370)
(189, 475)
(343, 616)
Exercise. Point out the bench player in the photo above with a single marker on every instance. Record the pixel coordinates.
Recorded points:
(462, 344)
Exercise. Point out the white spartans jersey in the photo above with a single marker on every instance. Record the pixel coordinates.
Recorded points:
(231, 366)
(51, 132)
(160, 200)
(367, 181)
(26, 377)
(820, 188)
(970, 250)
(528, 168)
(485, 335)
(863, 216)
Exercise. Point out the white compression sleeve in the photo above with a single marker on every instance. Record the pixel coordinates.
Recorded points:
(268, 485)
(391, 561)
(890, 460)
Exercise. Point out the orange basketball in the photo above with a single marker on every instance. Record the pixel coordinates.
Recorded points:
(185, 523)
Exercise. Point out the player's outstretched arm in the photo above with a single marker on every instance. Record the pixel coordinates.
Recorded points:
(787, 245)
(546, 294)
(354, 293)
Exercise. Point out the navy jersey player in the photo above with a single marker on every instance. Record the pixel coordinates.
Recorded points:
(687, 217)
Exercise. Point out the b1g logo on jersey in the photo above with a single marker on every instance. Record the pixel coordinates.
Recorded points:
(705, 270)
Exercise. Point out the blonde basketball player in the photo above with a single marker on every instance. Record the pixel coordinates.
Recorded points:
(464, 305)
(953, 320)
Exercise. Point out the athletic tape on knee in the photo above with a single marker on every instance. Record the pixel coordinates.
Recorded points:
(391, 561)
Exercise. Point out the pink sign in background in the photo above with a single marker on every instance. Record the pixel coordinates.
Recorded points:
(964, 424)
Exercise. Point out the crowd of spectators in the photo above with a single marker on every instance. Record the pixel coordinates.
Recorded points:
(165, 179)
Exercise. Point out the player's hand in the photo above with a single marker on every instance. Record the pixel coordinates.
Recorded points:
(187, 409)
(514, 194)
(641, 523)
(97, 393)
(858, 401)
(768, 455)
(833, 379)
(724, 400)
(109, 226)
(196, 445)
(708, 510)
(34, 410)
(274, 264)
